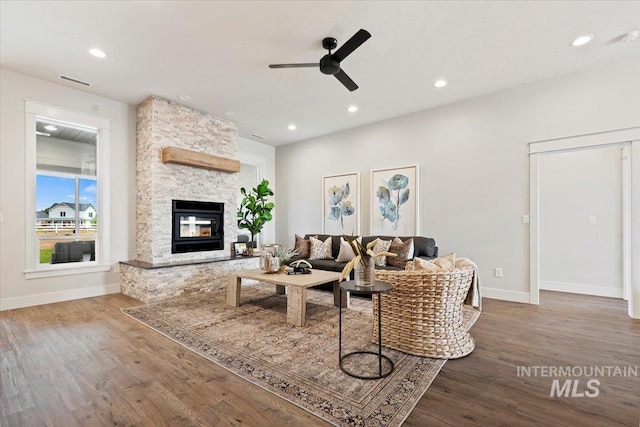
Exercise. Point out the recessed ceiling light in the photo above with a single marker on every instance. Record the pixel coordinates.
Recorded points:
(630, 36)
(440, 83)
(352, 109)
(51, 128)
(185, 98)
(292, 127)
(97, 53)
(582, 40)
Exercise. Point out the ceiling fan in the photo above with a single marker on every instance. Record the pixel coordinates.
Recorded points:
(330, 63)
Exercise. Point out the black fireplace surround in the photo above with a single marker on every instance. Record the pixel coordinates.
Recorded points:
(197, 226)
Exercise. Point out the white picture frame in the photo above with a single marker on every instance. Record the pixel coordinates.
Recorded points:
(341, 212)
(395, 201)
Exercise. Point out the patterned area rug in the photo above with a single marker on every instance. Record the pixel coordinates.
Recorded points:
(299, 364)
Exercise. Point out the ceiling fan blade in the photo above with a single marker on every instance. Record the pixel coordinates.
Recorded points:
(350, 45)
(346, 80)
(309, 65)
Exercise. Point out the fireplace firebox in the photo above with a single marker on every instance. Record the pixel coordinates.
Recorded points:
(197, 226)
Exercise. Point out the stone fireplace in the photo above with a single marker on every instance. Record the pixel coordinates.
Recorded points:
(165, 265)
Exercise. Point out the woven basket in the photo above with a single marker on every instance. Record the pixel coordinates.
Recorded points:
(423, 313)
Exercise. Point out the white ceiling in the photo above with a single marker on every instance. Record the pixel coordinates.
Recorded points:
(218, 52)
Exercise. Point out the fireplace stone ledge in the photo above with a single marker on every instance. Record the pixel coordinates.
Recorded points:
(148, 282)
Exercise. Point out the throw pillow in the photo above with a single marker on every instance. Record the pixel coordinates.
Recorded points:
(424, 265)
(403, 250)
(303, 246)
(381, 246)
(447, 262)
(346, 250)
(444, 263)
(320, 249)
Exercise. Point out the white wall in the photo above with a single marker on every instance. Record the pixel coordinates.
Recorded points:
(15, 290)
(576, 255)
(475, 169)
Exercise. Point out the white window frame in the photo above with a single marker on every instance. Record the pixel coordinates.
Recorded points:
(102, 125)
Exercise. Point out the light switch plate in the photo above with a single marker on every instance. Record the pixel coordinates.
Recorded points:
(525, 219)
(592, 219)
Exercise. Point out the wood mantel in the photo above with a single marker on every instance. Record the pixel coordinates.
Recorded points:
(184, 157)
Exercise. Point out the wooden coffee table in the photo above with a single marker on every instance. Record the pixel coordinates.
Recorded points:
(296, 289)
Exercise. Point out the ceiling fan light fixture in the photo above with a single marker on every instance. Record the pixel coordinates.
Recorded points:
(352, 108)
(582, 40)
(292, 127)
(440, 83)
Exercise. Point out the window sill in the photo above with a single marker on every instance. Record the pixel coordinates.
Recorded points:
(66, 271)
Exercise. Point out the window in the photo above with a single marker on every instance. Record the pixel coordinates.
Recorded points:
(69, 228)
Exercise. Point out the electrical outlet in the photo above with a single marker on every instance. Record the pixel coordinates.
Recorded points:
(592, 219)
(525, 219)
(497, 272)
(115, 268)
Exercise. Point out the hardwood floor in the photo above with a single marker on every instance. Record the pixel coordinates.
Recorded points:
(83, 363)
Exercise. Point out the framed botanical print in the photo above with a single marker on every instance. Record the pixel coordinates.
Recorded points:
(341, 204)
(394, 201)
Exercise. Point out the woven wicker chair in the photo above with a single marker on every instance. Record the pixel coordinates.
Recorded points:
(423, 313)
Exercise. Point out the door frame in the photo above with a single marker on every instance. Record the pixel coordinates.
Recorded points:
(629, 139)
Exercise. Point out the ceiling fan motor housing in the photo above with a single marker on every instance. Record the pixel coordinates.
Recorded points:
(328, 65)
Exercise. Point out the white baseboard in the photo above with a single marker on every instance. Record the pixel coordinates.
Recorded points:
(515, 296)
(51, 297)
(578, 288)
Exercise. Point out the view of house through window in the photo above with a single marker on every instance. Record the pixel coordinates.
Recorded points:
(67, 215)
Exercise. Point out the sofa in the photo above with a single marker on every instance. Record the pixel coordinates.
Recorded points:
(423, 247)
(73, 251)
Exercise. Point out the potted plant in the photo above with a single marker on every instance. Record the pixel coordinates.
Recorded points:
(285, 255)
(255, 211)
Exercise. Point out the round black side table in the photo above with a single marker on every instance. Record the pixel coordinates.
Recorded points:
(376, 288)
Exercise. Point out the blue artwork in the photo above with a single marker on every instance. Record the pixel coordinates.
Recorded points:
(391, 196)
(394, 201)
(339, 203)
(341, 212)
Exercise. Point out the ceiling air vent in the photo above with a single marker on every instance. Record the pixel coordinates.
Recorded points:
(72, 80)
(255, 135)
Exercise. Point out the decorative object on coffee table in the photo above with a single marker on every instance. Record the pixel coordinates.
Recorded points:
(255, 211)
(285, 254)
(394, 201)
(341, 204)
(365, 258)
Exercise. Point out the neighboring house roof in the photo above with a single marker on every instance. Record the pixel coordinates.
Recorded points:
(83, 206)
(42, 215)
